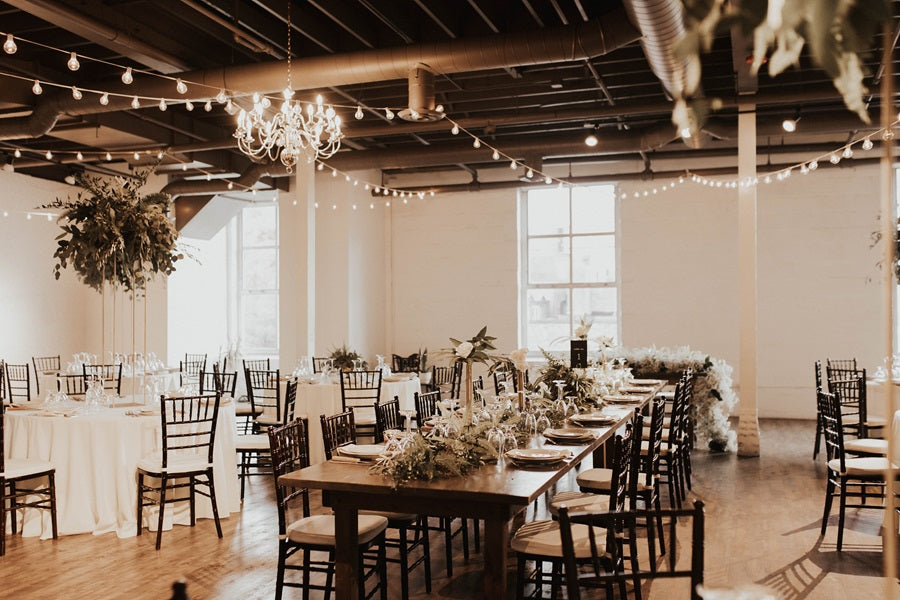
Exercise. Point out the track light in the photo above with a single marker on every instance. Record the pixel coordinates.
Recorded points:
(591, 140)
(790, 125)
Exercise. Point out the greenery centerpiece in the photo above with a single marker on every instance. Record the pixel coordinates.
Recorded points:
(113, 234)
(344, 358)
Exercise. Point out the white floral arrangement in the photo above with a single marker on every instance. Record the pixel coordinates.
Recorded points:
(714, 397)
(584, 328)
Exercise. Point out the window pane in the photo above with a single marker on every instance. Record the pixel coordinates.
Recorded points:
(260, 269)
(548, 211)
(594, 259)
(600, 306)
(548, 260)
(260, 226)
(259, 321)
(547, 319)
(594, 209)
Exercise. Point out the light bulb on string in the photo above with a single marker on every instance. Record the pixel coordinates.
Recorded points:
(548, 180)
(867, 144)
(73, 63)
(439, 108)
(431, 193)
(208, 106)
(495, 155)
(834, 158)
(104, 99)
(17, 153)
(189, 105)
(108, 156)
(334, 173)
(359, 113)
(76, 93)
(848, 152)
(180, 86)
(160, 154)
(813, 165)
(48, 155)
(137, 156)
(266, 103)
(346, 178)
(36, 89)
(135, 103)
(221, 97)
(230, 185)
(804, 169)
(476, 144)
(162, 104)
(591, 140)
(529, 173)
(79, 156)
(455, 129)
(9, 46)
(389, 114)
(127, 76)
(888, 134)
(512, 165)
(320, 166)
(184, 166)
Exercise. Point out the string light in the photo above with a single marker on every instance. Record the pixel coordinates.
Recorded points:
(455, 129)
(135, 103)
(17, 153)
(36, 89)
(104, 99)
(189, 105)
(867, 144)
(73, 63)
(76, 93)
(48, 155)
(127, 76)
(162, 104)
(208, 106)
(359, 113)
(476, 144)
(389, 114)
(108, 156)
(180, 86)
(9, 46)
(79, 156)
(495, 155)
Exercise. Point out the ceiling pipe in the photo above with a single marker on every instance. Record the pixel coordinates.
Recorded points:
(71, 19)
(560, 44)
(478, 186)
(251, 175)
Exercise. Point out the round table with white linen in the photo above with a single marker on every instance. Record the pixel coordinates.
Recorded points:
(96, 455)
(155, 382)
(316, 399)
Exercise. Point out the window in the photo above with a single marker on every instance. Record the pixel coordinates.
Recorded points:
(256, 275)
(569, 264)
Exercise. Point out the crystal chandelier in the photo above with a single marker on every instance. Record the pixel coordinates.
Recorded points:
(291, 132)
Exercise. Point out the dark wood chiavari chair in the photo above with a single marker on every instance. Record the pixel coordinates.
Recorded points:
(253, 449)
(264, 393)
(190, 368)
(426, 406)
(18, 382)
(110, 375)
(45, 365)
(289, 448)
(406, 364)
(847, 477)
(339, 430)
(72, 385)
(851, 391)
(442, 379)
(14, 496)
(258, 364)
(360, 392)
(387, 416)
(319, 363)
(186, 460)
(819, 431)
(595, 555)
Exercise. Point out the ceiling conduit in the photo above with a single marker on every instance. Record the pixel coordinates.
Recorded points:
(568, 43)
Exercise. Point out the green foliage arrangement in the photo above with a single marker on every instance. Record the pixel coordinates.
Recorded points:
(343, 358)
(838, 34)
(577, 383)
(110, 233)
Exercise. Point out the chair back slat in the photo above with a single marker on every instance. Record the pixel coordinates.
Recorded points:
(290, 400)
(258, 364)
(654, 444)
(289, 448)
(360, 391)
(426, 406)
(188, 425)
(601, 578)
(319, 363)
(829, 406)
(406, 364)
(337, 430)
(72, 385)
(46, 364)
(387, 416)
(850, 390)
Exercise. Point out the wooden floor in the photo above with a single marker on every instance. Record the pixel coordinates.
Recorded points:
(763, 518)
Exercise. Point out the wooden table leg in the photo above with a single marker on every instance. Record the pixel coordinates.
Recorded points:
(346, 553)
(496, 536)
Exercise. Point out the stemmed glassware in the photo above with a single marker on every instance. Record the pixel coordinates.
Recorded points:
(543, 421)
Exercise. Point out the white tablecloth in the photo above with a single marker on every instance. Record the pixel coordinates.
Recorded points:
(96, 477)
(316, 399)
(159, 382)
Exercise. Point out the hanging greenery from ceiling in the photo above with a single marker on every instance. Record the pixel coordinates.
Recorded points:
(838, 32)
(110, 233)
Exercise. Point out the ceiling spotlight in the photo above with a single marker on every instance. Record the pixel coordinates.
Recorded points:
(591, 140)
(73, 63)
(789, 125)
(9, 46)
(127, 76)
(70, 179)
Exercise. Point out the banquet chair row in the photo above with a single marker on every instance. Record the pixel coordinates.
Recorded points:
(289, 447)
(14, 496)
(340, 430)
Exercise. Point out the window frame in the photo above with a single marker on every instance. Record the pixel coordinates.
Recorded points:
(571, 286)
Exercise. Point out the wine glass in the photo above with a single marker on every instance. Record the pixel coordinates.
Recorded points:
(530, 421)
(543, 421)
(510, 442)
(571, 407)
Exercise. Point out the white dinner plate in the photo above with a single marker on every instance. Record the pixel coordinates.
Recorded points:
(540, 455)
(635, 389)
(367, 451)
(646, 381)
(568, 433)
(622, 399)
(594, 419)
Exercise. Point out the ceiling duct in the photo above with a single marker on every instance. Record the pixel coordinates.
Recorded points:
(661, 23)
(421, 96)
(550, 45)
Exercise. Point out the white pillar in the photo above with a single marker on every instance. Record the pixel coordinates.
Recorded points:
(748, 427)
(297, 267)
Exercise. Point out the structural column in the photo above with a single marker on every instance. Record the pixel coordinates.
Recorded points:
(748, 428)
(297, 267)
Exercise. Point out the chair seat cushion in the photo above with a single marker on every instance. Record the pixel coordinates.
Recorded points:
(318, 530)
(647, 433)
(594, 479)
(579, 501)
(178, 463)
(645, 448)
(16, 468)
(363, 419)
(393, 517)
(258, 442)
(866, 446)
(542, 538)
(267, 420)
(871, 466)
